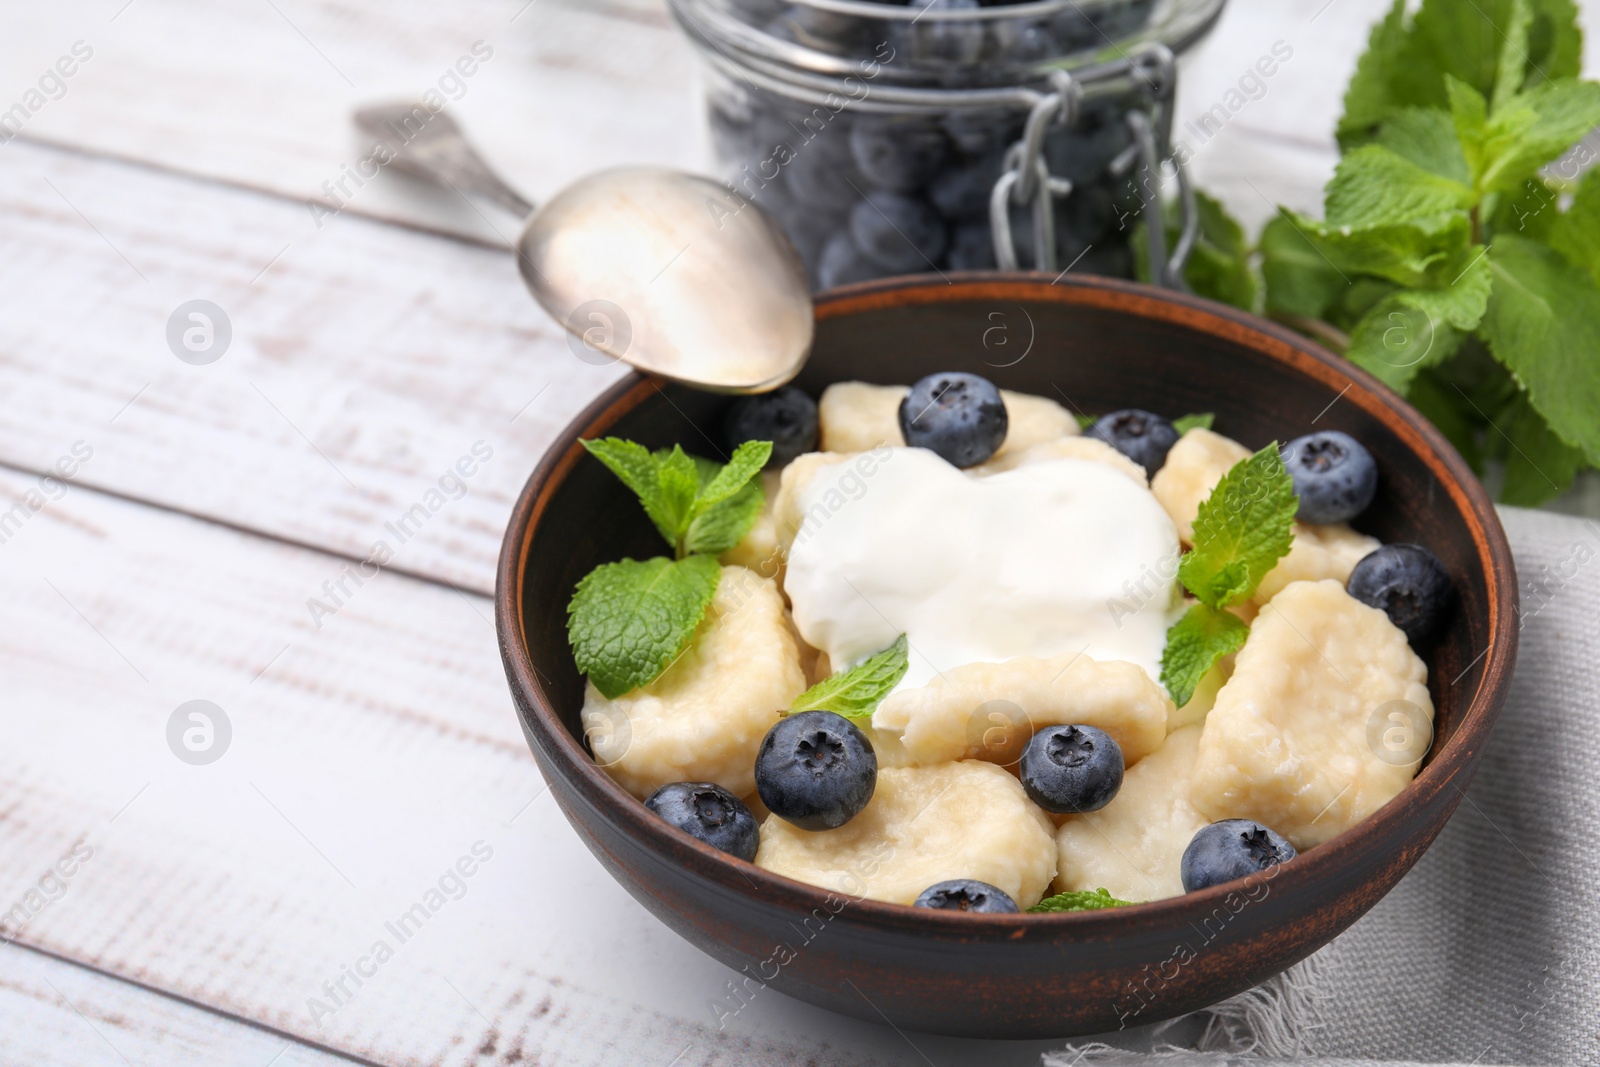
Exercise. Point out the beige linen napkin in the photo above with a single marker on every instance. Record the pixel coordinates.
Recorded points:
(1488, 952)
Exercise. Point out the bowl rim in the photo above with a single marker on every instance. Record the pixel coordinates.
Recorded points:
(1450, 767)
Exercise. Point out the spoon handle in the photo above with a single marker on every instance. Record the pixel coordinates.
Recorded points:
(429, 145)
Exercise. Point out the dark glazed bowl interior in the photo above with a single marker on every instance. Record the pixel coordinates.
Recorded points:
(1095, 345)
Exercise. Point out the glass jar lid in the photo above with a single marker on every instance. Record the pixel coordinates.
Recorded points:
(810, 43)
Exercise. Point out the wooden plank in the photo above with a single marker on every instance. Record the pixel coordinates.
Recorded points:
(363, 366)
(58, 1014)
(366, 761)
(571, 87)
(262, 93)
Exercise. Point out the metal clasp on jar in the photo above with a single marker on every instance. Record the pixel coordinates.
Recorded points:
(1026, 180)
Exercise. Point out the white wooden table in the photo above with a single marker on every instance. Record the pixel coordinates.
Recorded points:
(202, 549)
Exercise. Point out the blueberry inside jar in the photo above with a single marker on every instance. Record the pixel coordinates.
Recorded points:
(876, 131)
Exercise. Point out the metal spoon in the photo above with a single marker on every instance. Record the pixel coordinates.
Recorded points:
(669, 272)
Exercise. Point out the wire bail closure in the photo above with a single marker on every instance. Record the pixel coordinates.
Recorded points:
(1026, 181)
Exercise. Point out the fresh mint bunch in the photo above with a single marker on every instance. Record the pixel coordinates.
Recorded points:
(1241, 531)
(628, 621)
(1458, 253)
(1080, 900)
(856, 693)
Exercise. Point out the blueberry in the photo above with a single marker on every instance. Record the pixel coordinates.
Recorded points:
(966, 894)
(808, 228)
(1120, 20)
(822, 170)
(926, 40)
(842, 263)
(1142, 437)
(899, 233)
(960, 417)
(971, 247)
(1089, 213)
(1015, 40)
(816, 770)
(809, 242)
(1409, 584)
(711, 814)
(1069, 769)
(901, 155)
(962, 192)
(1334, 476)
(786, 417)
(1074, 31)
(979, 132)
(1232, 848)
(1082, 153)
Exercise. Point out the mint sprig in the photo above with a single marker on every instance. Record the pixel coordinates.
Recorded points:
(678, 490)
(1241, 531)
(1080, 900)
(856, 693)
(1458, 253)
(1194, 645)
(629, 621)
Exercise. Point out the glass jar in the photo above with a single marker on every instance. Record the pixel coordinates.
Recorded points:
(945, 135)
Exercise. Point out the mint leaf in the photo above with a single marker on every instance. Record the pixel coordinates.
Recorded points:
(1300, 278)
(1219, 263)
(1575, 233)
(1080, 900)
(1468, 41)
(679, 477)
(856, 693)
(1194, 645)
(745, 464)
(725, 524)
(1417, 328)
(1397, 340)
(1370, 95)
(628, 621)
(1193, 422)
(1375, 186)
(1539, 465)
(640, 471)
(1534, 128)
(1085, 421)
(1405, 64)
(1469, 113)
(1450, 414)
(1406, 253)
(1427, 137)
(1241, 531)
(1509, 72)
(1543, 323)
(730, 499)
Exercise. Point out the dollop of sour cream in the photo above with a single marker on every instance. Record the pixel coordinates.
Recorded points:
(1057, 557)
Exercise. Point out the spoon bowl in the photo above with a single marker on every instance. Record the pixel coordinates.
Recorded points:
(673, 274)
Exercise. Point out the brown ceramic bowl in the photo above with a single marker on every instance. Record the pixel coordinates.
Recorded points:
(1101, 345)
